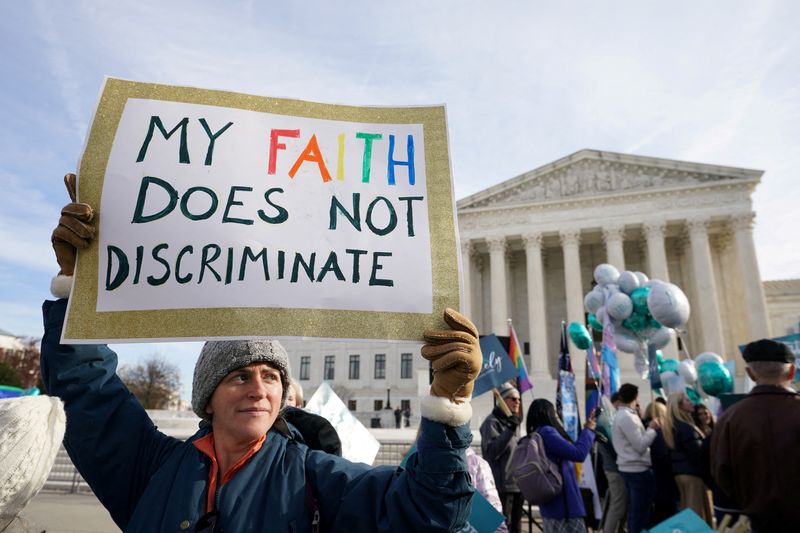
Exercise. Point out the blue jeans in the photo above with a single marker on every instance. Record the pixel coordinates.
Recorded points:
(641, 488)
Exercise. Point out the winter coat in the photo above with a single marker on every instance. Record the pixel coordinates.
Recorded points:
(482, 478)
(498, 440)
(754, 456)
(686, 457)
(560, 450)
(631, 441)
(150, 482)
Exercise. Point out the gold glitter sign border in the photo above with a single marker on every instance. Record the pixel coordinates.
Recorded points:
(85, 325)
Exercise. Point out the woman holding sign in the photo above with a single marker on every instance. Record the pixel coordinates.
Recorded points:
(247, 469)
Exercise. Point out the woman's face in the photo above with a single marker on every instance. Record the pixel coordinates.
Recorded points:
(704, 416)
(686, 404)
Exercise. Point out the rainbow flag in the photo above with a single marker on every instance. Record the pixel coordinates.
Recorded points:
(515, 353)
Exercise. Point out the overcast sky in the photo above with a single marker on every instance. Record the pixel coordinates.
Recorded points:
(525, 83)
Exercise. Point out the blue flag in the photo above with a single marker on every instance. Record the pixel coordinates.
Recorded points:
(497, 366)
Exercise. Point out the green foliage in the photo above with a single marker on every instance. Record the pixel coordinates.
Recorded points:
(9, 376)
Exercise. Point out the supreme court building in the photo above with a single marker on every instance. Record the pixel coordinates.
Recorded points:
(529, 247)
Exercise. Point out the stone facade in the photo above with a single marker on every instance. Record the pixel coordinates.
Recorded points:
(529, 246)
(783, 303)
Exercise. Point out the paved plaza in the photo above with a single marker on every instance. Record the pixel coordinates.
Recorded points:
(57, 512)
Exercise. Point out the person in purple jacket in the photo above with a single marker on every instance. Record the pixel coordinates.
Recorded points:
(564, 514)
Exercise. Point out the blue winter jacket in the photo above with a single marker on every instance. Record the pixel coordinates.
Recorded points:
(559, 449)
(151, 482)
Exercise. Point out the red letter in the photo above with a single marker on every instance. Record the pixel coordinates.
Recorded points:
(274, 145)
(313, 154)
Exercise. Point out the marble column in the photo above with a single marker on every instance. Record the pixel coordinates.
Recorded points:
(497, 264)
(537, 323)
(570, 244)
(466, 270)
(755, 303)
(706, 308)
(614, 237)
(656, 251)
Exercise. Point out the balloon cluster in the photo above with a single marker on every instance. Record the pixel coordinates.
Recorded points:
(642, 310)
(707, 372)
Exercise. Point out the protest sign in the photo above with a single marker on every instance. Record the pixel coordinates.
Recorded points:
(233, 216)
(358, 444)
(686, 521)
(497, 366)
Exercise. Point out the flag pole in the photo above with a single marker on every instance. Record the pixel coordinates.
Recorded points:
(512, 333)
(501, 402)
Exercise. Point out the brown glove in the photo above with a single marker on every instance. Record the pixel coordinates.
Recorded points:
(74, 230)
(455, 356)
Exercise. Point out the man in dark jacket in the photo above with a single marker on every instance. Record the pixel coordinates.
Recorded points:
(247, 469)
(754, 447)
(498, 439)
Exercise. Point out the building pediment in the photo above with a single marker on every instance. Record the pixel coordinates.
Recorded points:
(591, 173)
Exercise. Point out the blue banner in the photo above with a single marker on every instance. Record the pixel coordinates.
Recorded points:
(497, 366)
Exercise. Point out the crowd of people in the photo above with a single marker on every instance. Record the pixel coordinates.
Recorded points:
(250, 466)
(671, 456)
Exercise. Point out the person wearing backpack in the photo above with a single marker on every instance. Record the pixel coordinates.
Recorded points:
(565, 512)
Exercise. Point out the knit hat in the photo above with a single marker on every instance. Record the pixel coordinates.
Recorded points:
(506, 389)
(31, 431)
(220, 358)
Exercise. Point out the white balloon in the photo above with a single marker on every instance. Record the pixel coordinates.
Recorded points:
(652, 282)
(687, 370)
(708, 356)
(642, 277)
(660, 337)
(672, 382)
(600, 315)
(668, 305)
(626, 341)
(594, 300)
(619, 306)
(605, 274)
(628, 282)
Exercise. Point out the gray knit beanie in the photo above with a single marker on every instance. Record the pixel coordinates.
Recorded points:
(219, 358)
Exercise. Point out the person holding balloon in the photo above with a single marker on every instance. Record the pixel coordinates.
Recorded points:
(685, 441)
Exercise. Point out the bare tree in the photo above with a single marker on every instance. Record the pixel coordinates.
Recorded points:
(154, 381)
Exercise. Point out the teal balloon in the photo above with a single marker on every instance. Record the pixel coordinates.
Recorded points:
(635, 322)
(715, 378)
(659, 356)
(652, 322)
(639, 299)
(579, 335)
(669, 365)
(693, 396)
(594, 323)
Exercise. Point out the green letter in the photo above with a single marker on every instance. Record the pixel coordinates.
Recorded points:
(122, 272)
(392, 217)
(138, 218)
(331, 265)
(355, 219)
(155, 121)
(373, 280)
(231, 202)
(163, 279)
(282, 215)
(212, 138)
